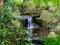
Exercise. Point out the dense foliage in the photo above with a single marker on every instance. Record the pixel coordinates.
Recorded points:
(44, 3)
(18, 2)
(52, 41)
(11, 30)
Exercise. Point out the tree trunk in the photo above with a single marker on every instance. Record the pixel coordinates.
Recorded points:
(1, 5)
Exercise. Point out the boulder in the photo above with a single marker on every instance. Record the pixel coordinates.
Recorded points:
(52, 35)
(46, 16)
(57, 28)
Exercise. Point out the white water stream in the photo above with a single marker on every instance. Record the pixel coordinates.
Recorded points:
(30, 26)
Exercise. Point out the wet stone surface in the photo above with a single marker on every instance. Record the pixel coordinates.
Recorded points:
(37, 42)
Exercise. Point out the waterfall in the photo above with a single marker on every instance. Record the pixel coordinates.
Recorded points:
(30, 26)
(28, 23)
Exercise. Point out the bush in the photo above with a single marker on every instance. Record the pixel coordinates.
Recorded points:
(11, 34)
(52, 41)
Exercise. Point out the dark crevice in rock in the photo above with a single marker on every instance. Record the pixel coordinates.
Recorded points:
(37, 42)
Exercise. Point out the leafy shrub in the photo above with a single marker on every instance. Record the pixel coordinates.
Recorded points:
(11, 34)
(52, 41)
(45, 3)
(18, 2)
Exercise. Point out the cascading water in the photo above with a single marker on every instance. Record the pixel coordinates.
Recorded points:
(28, 23)
(30, 26)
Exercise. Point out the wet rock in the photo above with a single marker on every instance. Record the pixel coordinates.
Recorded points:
(52, 9)
(27, 10)
(46, 16)
(57, 28)
(52, 35)
(37, 42)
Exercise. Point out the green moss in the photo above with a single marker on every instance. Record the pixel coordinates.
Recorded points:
(52, 41)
